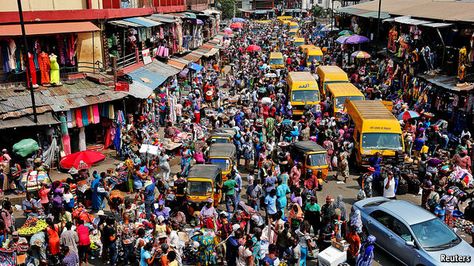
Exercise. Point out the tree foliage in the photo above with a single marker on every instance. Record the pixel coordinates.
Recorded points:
(227, 8)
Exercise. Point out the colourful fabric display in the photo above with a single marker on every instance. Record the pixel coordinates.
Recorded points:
(85, 118)
(79, 117)
(95, 111)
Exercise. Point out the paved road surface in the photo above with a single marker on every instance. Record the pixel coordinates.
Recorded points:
(333, 188)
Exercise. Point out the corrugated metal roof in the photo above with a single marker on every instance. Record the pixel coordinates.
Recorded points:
(148, 76)
(27, 121)
(72, 94)
(176, 64)
(193, 57)
(139, 91)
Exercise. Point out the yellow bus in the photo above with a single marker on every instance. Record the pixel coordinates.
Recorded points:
(330, 74)
(292, 25)
(339, 92)
(303, 90)
(298, 42)
(293, 32)
(283, 19)
(375, 130)
(313, 55)
(276, 60)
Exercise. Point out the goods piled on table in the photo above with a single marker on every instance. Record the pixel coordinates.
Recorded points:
(32, 226)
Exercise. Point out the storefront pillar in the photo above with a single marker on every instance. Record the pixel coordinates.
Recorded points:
(82, 139)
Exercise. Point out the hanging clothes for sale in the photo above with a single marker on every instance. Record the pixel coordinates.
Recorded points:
(95, 113)
(36, 52)
(85, 117)
(44, 66)
(61, 49)
(71, 121)
(32, 71)
(12, 52)
(71, 49)
(78, 114)
(54, 70)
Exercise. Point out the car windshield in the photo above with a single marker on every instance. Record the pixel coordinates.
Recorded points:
(199, 188)
(276, 61)
(299, 43)
(317, 159)
(435, 235)
(382, 141)
(223, 164)
(339, 101)
(316, 58)
(220, 140)
(305, 96)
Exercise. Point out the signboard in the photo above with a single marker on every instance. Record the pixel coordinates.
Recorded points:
(146, 56)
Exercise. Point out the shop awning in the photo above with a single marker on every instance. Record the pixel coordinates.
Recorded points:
(374, 14)
(178, 63)
(124, 24)
(139, 91)
(410, 21)
(189, 15)
(195, 67)
(192, 57)
(426, 9)
(144, 22)
(27, 121)
(48, 28)
(447, 82)
(437, 25)
(212, 52)
(147, 78)
(163, 18)
(152, 75)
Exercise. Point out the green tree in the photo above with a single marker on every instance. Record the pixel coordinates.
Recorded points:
(227, 8)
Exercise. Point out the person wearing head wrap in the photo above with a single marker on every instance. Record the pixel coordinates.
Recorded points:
(339, 204)
(356, 221)
(366, 253)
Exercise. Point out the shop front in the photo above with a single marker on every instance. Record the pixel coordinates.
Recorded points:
(54, 50)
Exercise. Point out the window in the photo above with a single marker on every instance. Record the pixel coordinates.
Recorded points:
(401, 230)
(305, 96)
(382, 141)
(435, 235)
(276, 61)
(383, 218)
(341, 100)
(199, 188)
(223, 164)
(317, 159)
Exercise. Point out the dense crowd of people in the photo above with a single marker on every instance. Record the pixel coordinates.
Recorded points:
(271, 214)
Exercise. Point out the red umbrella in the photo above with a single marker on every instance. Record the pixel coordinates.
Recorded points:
(253, 48)
(236, 25)
(81, 160)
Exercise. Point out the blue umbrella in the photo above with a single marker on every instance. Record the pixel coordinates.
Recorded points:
(356, 39)
(238, 20)
(342, 39)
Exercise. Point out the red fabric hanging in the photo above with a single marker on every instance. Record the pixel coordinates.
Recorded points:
(32, 70)
(45, 66)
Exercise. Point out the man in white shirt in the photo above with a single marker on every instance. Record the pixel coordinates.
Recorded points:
(389, 186)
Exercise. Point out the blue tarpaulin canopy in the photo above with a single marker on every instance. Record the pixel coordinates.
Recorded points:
(143, 22)
(147, 78)
(195, 67)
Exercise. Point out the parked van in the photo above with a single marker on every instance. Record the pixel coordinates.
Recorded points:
(276, 60)
(303, 90)
(297, 42)
(313, 55)
(375, 130)
(330, 74)
(338, 93)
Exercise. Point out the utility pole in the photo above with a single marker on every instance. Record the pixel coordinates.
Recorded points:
(332, 15)
(378, 23)
(29, 81)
